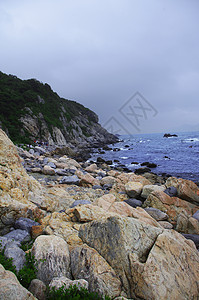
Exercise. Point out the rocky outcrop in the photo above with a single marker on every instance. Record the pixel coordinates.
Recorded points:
(144, 256)
(40, 114)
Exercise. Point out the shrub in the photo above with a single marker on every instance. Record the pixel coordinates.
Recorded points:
(75, 293)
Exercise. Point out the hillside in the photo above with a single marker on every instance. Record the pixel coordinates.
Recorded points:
(31, 110)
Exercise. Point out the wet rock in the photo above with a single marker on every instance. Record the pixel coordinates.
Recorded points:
(171, 191)
(133, 202)
(140, 171)
(96, 187)
(193, 237)
(149, 165)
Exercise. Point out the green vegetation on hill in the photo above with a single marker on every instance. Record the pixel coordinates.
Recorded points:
(21, 97)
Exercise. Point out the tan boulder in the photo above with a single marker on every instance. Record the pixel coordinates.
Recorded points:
(88, 212)
(92, 168)
(126, 177)
(187, 190)
(47, 170)
(115, 237)
(69, 162)
(133, 189)
(60, 224)
(53, 257)
(148, 189)
(108, 180)
(186, 224)
(171, 270)
(86, 263)
(88, 180)
(172, 206)
(10, 288)
(105, 201)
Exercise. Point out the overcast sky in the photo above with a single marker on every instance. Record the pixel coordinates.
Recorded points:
(102, 52)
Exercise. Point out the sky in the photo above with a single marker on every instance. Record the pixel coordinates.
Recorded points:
(134, 62)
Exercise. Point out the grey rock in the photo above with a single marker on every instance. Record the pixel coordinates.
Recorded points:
(61, 172)
(45, 161)
(70, 179)
(133, 202)
(17, 254)
(25, 224)
(38, 289)
(19, 235)
(193, 237)
(96, 187)
(52, 165)
(4, 241)
(81, 202)
(157, 214)
(196, 215)
(40, 150)
(171, 191)
(31, 151)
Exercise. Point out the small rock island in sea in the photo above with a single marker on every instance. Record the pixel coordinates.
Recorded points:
(119, 234)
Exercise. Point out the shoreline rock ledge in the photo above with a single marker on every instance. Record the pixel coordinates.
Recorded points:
(106, 245)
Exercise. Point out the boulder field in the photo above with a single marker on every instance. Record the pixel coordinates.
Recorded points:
(112, 232)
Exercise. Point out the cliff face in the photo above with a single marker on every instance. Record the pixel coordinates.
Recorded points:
(30, 110)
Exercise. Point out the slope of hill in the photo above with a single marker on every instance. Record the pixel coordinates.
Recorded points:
(31, 110)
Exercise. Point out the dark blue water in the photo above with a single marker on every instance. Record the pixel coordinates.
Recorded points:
(182, 153)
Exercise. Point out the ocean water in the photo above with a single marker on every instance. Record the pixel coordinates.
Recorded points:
(177, 156)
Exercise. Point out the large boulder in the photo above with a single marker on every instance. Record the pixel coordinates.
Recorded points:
(115, 237)
(148, 189)
(171, 270)
(133, 189)
(172, 206)
(53, 258)
(86, 263)
(151, 262)
(187, 190)
(10, 288)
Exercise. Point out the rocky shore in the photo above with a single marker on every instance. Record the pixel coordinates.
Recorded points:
(120, 234)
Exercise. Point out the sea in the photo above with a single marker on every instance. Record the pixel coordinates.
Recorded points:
(176, 156)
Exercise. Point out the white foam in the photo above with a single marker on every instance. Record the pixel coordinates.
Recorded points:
(192, 140)
(124, 157)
